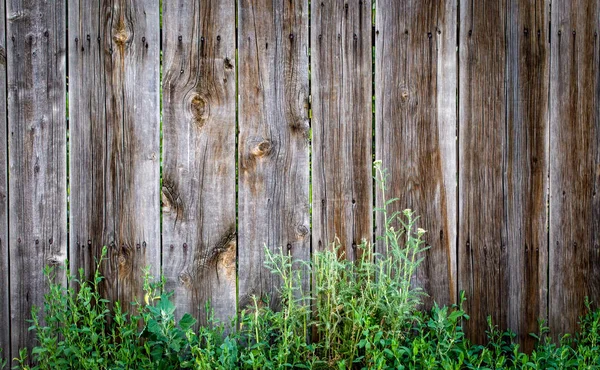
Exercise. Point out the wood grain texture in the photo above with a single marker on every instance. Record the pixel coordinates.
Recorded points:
(575, 161)
(198, 188)
(273, 139)
(526, 167)
(4, 271)
(114, 121)
(37, 155)
(503, 151)
(415, 113)
(342, 124)
(482, 241)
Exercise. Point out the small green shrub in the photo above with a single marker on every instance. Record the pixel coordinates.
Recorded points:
(358, 315)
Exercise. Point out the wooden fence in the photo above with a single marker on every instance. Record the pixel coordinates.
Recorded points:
(486, 114)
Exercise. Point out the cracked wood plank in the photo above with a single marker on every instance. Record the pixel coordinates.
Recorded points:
(114, 121)
(273, 140)
(503, 174)
(37, 155)
(415, 135)
(342, 124)
(198, 189)
(575, 163)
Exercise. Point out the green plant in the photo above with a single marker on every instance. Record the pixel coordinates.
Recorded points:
(361, 314)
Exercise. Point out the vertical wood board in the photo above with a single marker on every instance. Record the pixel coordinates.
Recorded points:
(198, 185)
(114, 149)
(273, 140)
(341, 72)
(415, 113)
(37, 160)
(575, 162)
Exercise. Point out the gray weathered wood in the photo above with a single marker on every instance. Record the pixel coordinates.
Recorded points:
(341, 62)
(4, 272)
(273, 139)
(198, 185)
(114, 158)
(502, 172)
(415, 113)
(37, 155)
(575, 161)
(526, 167)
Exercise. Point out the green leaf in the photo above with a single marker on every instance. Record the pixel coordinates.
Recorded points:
(186, 322)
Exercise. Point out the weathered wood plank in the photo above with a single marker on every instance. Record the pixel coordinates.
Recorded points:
(575, 161)
(114, 119)
(415, 113)
(37, 155)
(526, 167)
(198, 188)
(4, 272)
(503, 153)
(342, 123)
(481, 135)
(273, 138)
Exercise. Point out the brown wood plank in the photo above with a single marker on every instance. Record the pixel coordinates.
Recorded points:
(37, 155)
(273, 139)
(198, 188)
(4, 272)
(342, 123)
(482, 130)
(575, 161)
(114, 120)
(526, 167)
(415, 113)
(503, 153)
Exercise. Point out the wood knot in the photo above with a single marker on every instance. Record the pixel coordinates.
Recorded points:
(301, 231)
(121, 37)
(200, 109)
(262, 149)
(185, 279)
(228, 64)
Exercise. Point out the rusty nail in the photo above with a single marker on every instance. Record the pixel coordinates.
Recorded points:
(202, 38)
(180, 38)
(428, 35)
(291, 36)
(89, 241)
(289, 247)
(181, 71)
